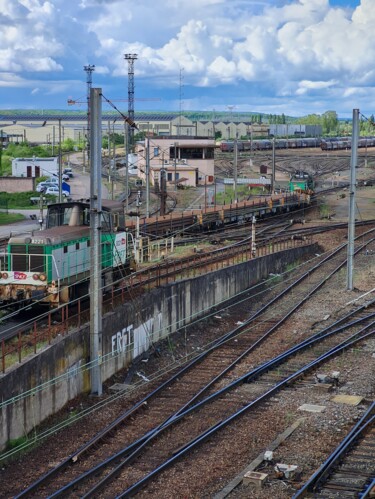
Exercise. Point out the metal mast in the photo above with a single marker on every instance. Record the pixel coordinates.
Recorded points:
(95, 243)
(351, 218)
(131, 58)
(89, 68)
(181, 93)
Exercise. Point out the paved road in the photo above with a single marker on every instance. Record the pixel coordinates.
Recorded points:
(80, 189)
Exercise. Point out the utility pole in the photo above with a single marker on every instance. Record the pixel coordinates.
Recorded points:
(235, 164)
(60, 165)
(41, 200)
(89, 69)
(253, 242)
(273, 166)
(180, 113)
(126, 148)
(163, 191)
(95, 242)
(175, 166)
(351, 220)
(147, 151)
(1, 152)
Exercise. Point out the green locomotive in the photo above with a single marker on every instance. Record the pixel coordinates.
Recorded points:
(52, 266)
(301, 182)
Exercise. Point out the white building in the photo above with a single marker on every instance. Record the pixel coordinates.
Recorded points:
(186, 161)
(34, 167)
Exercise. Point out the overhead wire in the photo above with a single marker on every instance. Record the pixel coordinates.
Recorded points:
(168, 368)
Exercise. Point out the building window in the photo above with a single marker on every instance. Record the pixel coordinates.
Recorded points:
(169, 177)
(156, 151)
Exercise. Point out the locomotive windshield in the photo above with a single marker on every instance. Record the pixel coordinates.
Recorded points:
(67, 214)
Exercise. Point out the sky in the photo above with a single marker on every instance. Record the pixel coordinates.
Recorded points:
(295, 57)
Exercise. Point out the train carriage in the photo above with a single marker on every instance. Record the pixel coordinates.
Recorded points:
(52, 266)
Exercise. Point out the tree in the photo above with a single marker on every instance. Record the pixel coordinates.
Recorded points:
(310, 119)
(330, 122)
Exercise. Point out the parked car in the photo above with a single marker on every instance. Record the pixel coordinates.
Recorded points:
(42, 186)
(55, 180)
(55, 191)
(68, 171)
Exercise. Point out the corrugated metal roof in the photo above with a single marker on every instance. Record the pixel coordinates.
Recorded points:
(260, 181)
(82, 117)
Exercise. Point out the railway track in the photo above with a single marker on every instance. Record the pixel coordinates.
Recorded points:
(350, 470)
(220, 374)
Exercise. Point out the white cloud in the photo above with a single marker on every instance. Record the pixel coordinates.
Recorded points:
(292, 48)
(305, 85)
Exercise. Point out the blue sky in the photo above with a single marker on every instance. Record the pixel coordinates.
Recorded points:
(272, 56)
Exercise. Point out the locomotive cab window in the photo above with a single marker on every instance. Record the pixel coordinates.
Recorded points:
(67, 214)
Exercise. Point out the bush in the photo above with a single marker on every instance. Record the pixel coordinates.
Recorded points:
(16, 199)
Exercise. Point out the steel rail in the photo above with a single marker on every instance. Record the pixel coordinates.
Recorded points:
(179, 415)
(219, 342)
(187, 367)
(214, 429)
(320, 475)
(135, 448)
(369, 490)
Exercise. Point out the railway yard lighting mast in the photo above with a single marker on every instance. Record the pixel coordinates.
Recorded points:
(131, 58)
(89, 69)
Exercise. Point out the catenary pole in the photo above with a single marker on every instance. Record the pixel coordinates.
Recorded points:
(60, 165)
(95, 237)
(126, 148)
(235, 164)
(351, 220)
(147, 151)
(273, 166)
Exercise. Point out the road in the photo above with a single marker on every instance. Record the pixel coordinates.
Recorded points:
(80, 189)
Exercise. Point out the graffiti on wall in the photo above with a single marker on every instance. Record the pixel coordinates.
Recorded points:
(136, 340)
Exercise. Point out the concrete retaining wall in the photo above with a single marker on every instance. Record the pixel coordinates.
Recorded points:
(27, 394)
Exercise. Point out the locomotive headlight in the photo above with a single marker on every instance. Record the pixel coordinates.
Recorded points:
(35, 277)
(42, 277)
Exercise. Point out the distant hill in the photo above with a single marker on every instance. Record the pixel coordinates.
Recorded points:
(192, 115)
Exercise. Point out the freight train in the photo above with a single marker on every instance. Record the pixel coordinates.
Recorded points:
(337, 143)
(267, 144)
(326, 144)
(52, 266)
(217, 217)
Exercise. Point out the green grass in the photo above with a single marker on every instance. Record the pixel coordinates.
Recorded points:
(324, 210)
(9, 218)
(20, 200)
(243, 193)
